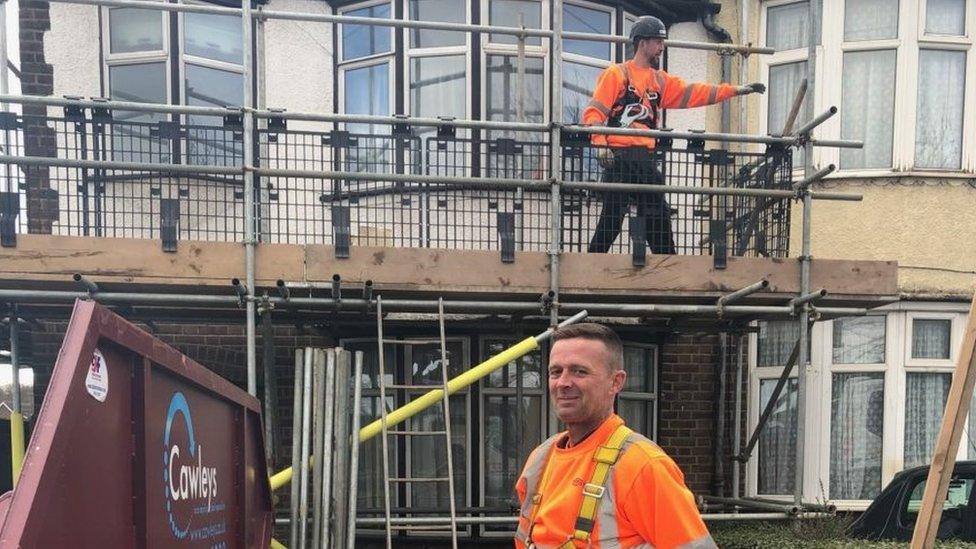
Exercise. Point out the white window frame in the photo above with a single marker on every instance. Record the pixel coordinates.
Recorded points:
(585, 59)
(911, 38)
(135, 58)
(411, 53)
(388, 57)
(531, 51)
(819, 393)
(186, 58)
(485, 391)
(646, 397)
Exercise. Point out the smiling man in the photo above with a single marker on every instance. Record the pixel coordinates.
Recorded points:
(598, 484)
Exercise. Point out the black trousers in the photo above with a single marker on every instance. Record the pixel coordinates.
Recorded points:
(634, 165)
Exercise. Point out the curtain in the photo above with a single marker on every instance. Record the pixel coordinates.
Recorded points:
(938, 121)
(945, 17)
(931, 338)
(856, 431)
(777, 442)
(867, 107)
(925, 398)
(870, 19)
(859, 340)
(776, 341)
(788, 26)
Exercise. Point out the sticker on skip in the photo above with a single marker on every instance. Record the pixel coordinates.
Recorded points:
(97, 379)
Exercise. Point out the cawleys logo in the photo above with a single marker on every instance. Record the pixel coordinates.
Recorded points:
(186, 477)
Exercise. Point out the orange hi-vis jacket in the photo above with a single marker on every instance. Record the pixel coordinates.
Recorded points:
(645, 503)
(657, 89)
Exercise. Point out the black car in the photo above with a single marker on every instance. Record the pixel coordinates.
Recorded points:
(892, 514)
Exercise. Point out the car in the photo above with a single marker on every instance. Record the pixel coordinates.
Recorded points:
(893, 513)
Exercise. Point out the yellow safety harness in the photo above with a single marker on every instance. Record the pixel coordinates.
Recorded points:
(605, 457)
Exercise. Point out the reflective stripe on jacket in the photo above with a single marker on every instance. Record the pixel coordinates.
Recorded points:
(659, 91)
(645, 503)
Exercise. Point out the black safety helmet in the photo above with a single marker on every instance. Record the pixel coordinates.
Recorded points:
(647, 26)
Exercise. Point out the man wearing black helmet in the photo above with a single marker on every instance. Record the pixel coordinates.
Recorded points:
(632, 95)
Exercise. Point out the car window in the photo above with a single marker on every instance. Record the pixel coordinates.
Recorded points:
(957, 498)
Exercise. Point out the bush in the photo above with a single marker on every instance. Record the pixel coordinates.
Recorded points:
(826, 533)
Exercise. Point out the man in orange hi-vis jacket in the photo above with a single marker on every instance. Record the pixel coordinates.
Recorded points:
(633, 94)
(599, 484)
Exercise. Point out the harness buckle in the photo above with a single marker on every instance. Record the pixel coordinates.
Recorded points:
(593, 490)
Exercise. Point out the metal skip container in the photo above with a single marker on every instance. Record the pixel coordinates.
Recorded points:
(136, 445)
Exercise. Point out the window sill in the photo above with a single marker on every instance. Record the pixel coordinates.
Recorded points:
(915, 174)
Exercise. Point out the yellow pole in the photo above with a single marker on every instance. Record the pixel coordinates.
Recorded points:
(16, 445)
(430, 398)
(275, 544)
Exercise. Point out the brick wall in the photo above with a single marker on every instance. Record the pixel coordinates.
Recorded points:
(687, 407)
(37, 78)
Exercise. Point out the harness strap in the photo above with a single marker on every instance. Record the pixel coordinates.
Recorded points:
(605, 457)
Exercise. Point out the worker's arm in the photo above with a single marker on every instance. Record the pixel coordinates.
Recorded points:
(608, 87)
(662, 509)
(678, 94)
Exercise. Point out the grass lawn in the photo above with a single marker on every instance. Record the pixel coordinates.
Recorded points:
(802, 534)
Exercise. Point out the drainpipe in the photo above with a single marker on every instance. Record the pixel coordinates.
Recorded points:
(718, 468)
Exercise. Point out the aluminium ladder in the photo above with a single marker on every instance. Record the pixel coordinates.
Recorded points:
(451, 527)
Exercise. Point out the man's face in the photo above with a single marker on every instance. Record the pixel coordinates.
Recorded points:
(652, 48)
(582, 385)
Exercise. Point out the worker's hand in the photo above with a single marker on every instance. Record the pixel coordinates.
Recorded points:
(755, 87)
(605, 156)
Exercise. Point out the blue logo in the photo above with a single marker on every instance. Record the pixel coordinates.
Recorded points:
(185, 480)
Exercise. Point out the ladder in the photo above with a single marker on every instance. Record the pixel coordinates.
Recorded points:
(451, 526)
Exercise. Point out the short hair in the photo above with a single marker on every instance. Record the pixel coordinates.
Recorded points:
(596, 332)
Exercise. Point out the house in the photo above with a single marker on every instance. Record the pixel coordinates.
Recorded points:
(172, 233)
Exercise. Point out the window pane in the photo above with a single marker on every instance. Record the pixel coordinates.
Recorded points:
(501, 435)
(367, 90)
(971, 429)
(931, 338)
(784, 81)
(216, 37)
(370, 492)
(442, 11)
(580, 19)
(363, 40)
(859, 340)
(867, 108)
(870, 19)
(925, 399)
(638, 415)
(145, 83)
(776, 341)
(427, 362)
(502, 88)
(505, 13)
(938, 122)
(507, 376)
(629, 46)
(788, 26)
(437, 86)
(639, 365)
(135, 30)
(371, 366)
(428, 455)
(777, 441)
(856, 431)
(212, 88)
(945, 17)
(956, 502)
(578, 83)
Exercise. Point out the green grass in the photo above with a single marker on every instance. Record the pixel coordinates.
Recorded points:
(802, 534)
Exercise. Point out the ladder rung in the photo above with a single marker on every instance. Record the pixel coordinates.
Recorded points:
(416, 433)
(421, 479)
(413, 387)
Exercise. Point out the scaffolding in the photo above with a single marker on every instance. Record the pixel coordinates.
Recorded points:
(552, 185)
